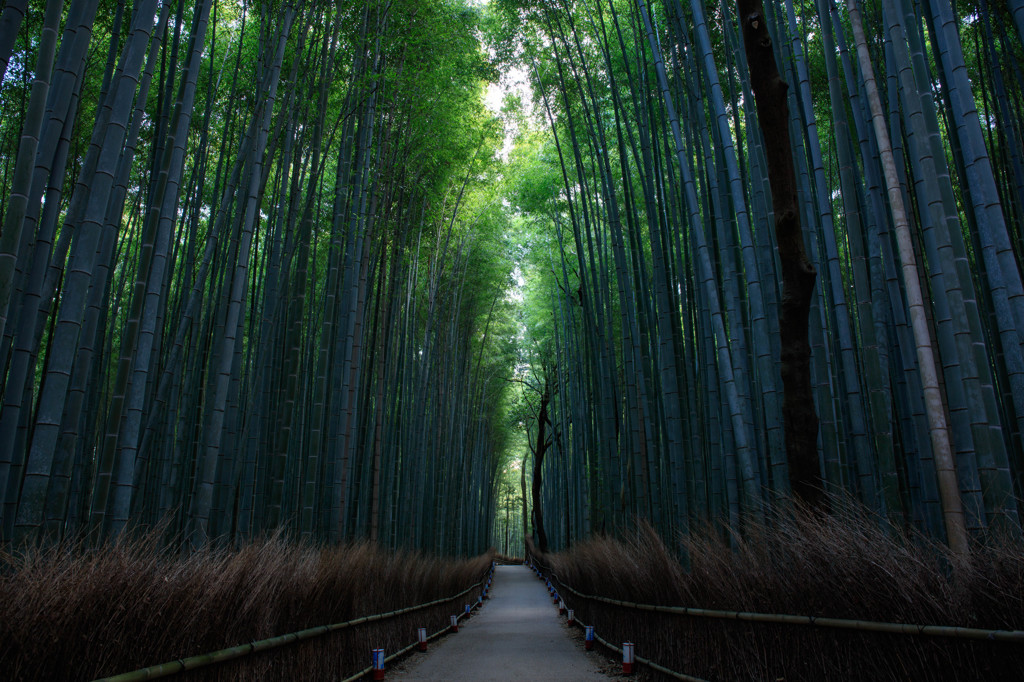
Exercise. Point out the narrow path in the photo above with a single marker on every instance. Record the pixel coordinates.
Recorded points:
(516, 636)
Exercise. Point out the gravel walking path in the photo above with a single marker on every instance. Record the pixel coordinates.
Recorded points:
(517, 635)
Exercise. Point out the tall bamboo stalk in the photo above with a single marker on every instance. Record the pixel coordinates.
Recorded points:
(956, 531)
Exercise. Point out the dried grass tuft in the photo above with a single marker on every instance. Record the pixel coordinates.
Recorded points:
(71, 614)
(843, 566)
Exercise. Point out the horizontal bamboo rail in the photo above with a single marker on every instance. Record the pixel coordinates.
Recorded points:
(955, 632)
(639, 659)
(646, 661)
(403, 652)
(202, 660)
(840, 623)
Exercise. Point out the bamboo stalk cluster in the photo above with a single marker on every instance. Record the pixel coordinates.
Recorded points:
(665, 279)
(247, 273)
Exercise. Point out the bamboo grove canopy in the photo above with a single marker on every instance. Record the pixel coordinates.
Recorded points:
(256, 262)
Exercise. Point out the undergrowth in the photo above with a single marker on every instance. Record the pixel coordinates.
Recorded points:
(844, 566)
(71, 614)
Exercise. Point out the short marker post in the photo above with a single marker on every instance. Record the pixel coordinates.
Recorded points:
(588, 643)
(469, 609)
(561, 607)
(455, 623)
(377, 656)
(572, 617)
(628, 651)
(421, 635)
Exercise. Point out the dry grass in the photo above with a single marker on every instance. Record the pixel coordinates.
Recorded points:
(68, 614)
(843, 567)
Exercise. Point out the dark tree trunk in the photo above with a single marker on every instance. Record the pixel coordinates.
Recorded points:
(798, 274)
(538, 462)
(525, 498)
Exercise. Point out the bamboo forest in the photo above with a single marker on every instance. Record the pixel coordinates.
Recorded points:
(436, 280)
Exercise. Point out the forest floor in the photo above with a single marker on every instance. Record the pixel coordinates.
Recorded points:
(516, 636)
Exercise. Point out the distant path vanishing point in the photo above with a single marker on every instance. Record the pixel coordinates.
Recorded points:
(517, 635)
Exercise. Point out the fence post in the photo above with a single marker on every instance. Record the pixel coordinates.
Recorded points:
(421, 634)
(377, 656)
(628, 657)
(589, 642)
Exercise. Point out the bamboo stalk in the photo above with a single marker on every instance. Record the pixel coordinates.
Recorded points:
(952, 508)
